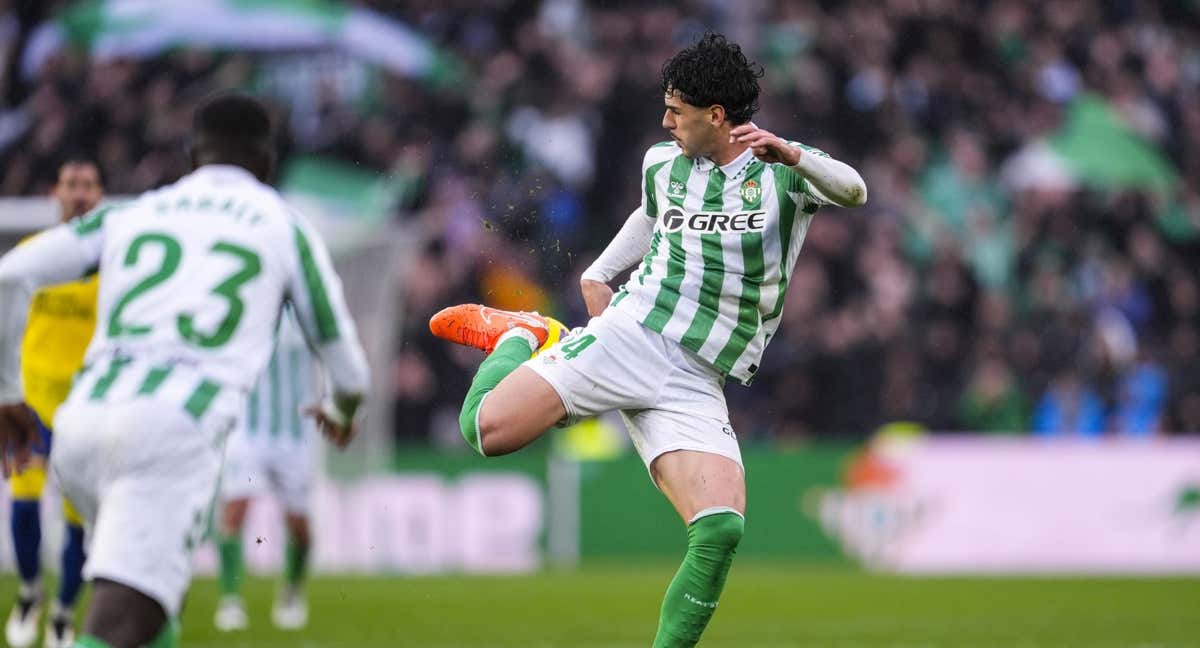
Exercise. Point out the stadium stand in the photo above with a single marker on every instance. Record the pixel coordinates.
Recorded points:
(1026, 261)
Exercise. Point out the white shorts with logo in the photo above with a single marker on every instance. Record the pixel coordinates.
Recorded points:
(281, 467)
(669, 397)
(143, 475)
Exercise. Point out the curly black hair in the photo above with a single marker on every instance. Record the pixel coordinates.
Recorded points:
(715, 71)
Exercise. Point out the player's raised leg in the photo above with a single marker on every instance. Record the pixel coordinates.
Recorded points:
(709, 492)
(231, 610)
(507, 406)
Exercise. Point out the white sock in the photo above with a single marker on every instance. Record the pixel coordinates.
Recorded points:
(522, 333)
(30, 589)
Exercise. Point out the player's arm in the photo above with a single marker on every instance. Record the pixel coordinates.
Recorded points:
(316, 295)
(832, 181)
(61, 254)
(627, 248)
(633, 241)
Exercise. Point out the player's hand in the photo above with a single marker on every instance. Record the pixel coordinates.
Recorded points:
(340, 435)
(18, 432)
(596, 295)
(765, 145)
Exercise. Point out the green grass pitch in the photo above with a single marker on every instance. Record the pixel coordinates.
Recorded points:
(765, 605)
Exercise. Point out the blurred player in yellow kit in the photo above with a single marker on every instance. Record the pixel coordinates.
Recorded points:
(61, 322)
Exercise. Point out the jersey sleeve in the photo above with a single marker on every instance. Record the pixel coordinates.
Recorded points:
(813, 198)
(315, 293)
(64, 253)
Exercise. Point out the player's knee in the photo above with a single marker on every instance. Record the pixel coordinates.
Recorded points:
(73, 518)
(468, 424)
(492, 431)
(722, 531)
(298, 528)
(480, 429)
(233, 516)
(502, 431)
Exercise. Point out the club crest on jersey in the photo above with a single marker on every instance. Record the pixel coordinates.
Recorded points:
(751, 191)
(675, 220)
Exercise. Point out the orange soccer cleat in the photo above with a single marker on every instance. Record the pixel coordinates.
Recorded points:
(481, 326)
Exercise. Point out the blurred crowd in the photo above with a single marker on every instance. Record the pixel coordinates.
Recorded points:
(982, 288)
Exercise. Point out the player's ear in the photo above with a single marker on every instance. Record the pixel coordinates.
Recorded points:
(716, 114)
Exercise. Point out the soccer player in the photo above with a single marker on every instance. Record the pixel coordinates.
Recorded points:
(61, 321)
(195, 276)
(271, 451)
(725, 207)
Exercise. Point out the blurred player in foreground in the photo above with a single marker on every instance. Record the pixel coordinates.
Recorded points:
(725, 207)
(195, 277)
(61, 321)
(271, 452)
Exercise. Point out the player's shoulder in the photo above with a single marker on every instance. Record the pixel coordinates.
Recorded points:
(660, 152)
(296, 221)
(94, 220)
(298, 235)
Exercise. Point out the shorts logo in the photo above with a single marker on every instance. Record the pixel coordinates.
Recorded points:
(751, 191)
(675, 220)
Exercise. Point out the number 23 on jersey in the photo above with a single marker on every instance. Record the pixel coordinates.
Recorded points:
(249, 267)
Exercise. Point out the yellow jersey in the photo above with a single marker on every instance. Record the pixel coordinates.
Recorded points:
(61, 321)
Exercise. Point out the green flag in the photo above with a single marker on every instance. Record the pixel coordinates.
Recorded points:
(1101, 149)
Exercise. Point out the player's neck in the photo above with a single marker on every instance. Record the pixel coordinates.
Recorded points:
(727, 152)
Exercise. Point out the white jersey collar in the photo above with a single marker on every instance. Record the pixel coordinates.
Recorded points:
(224, 172)
(731, 170)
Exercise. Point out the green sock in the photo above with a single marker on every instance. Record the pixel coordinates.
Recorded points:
(507, 356)
(88, 641)
(230, 548)
(297, 563)
(168, 637)
(692, 596)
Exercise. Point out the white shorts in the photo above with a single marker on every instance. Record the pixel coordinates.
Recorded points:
(259, 467)
(669, 397)
(143, 475)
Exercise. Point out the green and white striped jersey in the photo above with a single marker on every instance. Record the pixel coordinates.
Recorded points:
(724, 246)
(194, 278)
(273, 415)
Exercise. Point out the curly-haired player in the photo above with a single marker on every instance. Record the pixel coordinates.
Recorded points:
(725, 207)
